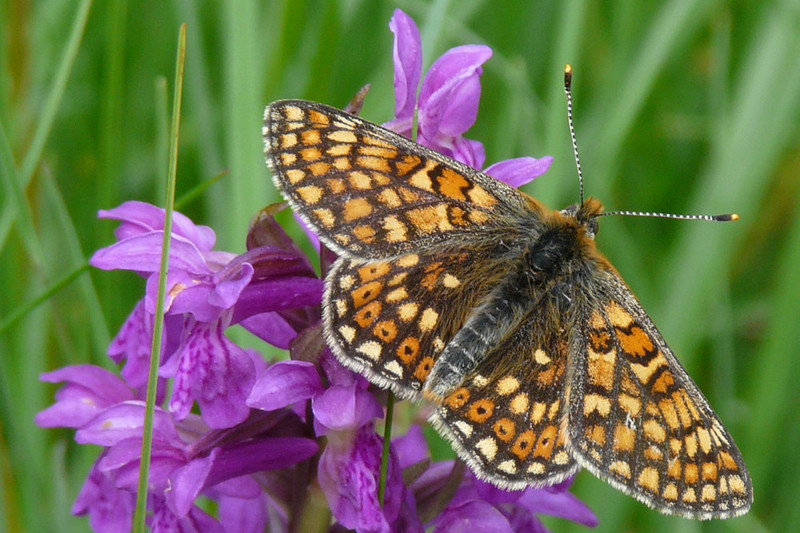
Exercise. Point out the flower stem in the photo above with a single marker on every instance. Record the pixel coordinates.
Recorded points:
(387, 440)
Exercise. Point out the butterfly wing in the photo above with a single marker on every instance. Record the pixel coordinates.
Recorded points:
(371, 193)
(507, 421)
(638, 421)
(390, 319)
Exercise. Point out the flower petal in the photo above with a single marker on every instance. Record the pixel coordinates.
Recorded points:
(285, 383)
(520, 171)
(407, 60)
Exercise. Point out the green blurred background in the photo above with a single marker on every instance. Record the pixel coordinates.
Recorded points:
(686, 106)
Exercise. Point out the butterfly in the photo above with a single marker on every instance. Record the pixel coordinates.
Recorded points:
(456, 289)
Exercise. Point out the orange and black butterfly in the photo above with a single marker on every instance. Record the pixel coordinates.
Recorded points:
(454, 288)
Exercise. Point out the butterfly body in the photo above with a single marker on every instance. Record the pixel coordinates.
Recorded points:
(456, 289)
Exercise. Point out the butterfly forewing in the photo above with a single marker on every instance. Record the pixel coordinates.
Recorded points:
(638, 421)
(372, 193)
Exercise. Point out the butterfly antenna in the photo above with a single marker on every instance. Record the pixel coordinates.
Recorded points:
(568, 92)
(711, 218)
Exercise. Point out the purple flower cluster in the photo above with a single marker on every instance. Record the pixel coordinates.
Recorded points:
(264, 439)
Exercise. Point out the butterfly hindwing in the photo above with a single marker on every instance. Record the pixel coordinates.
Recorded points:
(371, 193)
(638, 421)
(508, 419)
(389, 319)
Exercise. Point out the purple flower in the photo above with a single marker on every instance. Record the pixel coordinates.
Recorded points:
(448, 103)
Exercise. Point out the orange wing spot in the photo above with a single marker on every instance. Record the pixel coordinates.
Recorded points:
(480, 410)
(408, 261)
(421, 179)
(736, 484)
(507, 385)
(708, 493)
(523, 445)
(377, 151)
(343, 136)
(546, 377)
(596, 321)
(727, 462)
(310, 154)
(325, 217)
(397, 279)
(644, 373)
(618, 316)
(480, 197)
(624, 438)
(709, 472)
(359, 180)
(628, 386)
(356, 208)
(674, 469)
(675, 447)
(636, 342)
(389, 198)
(310, 194)
(690, 405)
(600, 340)
(319, 168)
(342, 163)
(310, 137)
(423, 368)
(691, 445)
(596, 434)
(630, 405)
(407, 195)
(374, 141)
(690, 474)
(335, 185)
(689, 496)
(338, 150)
(292, 113)
(601, 368)
(406, 164)
(408, 350)
(477, 217)
(621, 468)
(368, 314)
(595, 402)
(288, 140)
(683, 411)
(546, 442)
(456, 216)
(431, 219)
(295, 175)
(670, 492)
(670, 414)
(373, 163)
(316, 117)
(519, 404)
(648, 479)
(366, 293)
(450, 184)
(373, 271)
(385, 330)
(538, 412)
(664, 382)
(364, 234)
(397, 295)
(654, 431)
(288, 158)
(553, 411)
(428, 320)
(457, 398)
(653, 454)
(504, 429)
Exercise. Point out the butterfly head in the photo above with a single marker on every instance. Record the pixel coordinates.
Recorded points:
(586, 215)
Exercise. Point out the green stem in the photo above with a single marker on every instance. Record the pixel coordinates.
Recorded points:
(387, 440)
(155, 348)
